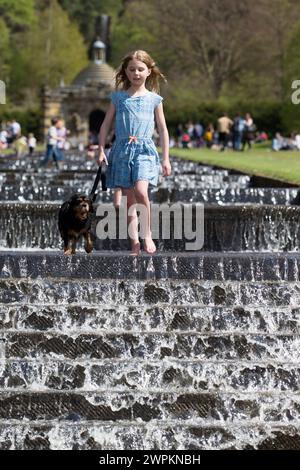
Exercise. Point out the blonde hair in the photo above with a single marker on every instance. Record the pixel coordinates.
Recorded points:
(152, 82)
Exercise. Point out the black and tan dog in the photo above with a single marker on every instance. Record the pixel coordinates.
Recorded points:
(74, 222)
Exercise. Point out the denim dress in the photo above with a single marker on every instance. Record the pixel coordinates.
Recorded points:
(133, 155)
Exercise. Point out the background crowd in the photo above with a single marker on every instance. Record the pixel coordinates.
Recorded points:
(238, 133)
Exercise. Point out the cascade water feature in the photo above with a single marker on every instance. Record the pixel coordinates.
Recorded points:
(180, 350)
(226, 228)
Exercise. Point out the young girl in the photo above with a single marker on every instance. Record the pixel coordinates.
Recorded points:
(134, 160)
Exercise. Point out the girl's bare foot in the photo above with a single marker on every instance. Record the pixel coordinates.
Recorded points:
(149, 245)
(135, 248)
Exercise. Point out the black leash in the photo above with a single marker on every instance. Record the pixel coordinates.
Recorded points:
(100, 175)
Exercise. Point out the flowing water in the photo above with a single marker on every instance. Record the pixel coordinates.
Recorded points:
(180, 350)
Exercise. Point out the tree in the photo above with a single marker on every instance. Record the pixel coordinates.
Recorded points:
(85, 13)
(52, 50)
(4, 51)
(291, 65)
(17, 14)
(203, 34)
(274, 22)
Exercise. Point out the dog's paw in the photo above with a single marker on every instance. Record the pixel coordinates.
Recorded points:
(88, 247)
(69, 251)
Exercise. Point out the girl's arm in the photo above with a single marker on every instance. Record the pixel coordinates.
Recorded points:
(164, 138)
(104, 130)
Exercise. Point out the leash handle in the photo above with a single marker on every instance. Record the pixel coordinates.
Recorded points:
(100, 175)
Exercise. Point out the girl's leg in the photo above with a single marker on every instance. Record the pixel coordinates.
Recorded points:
(133, 221)
(141, 195)
(117, 197)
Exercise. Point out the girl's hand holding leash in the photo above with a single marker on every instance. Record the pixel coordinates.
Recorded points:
(102, 158)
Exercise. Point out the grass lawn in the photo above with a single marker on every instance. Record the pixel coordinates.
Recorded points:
(260, 161)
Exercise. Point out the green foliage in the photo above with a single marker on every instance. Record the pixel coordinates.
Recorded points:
(85, 13)
(130, 33)
(290, 111)
(4, 50)
(292, 59)
(43, 41)
(254, 87)
(127, 39)
(15, 16)
(290, 117)
(17, 13)
(52, 50)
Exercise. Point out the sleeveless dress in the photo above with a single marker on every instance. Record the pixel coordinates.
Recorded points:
(133, 155)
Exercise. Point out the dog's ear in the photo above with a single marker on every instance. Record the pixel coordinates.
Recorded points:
(65, 207)
(73, 200)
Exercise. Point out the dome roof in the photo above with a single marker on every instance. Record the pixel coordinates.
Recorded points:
(95, 73)
(99, 44)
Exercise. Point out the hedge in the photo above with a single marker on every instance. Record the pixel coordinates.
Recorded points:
(268, 116)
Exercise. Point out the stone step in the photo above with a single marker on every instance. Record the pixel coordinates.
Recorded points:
(45, 191)
(182, 176)
(151, 346)
(204, 266)
(72, 435)
(15, 173)
(196, 408)
(226, 228)
(228, 195)
(74, 162)
(41, 190)
(75, 319)
(193, 350)
(179, 181)
(135, 293)
(148, 376)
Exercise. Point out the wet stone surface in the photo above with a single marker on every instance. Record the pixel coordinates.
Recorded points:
(75, 436)
(133, 293)
(124, 406)
(181, 350)
(203, 319)
(148, 375)
(103, 265)
(217, 347)
(231, 228)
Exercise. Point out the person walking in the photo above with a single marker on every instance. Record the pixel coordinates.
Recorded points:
(248, 132)
(52, 139)
(134, 161)
(224, 128)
